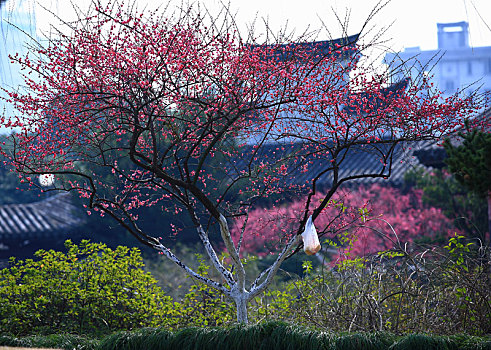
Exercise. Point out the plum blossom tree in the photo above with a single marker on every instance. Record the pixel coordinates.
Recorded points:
(195, 109)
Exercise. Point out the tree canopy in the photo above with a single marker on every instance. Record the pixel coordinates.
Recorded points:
(471, 161)
(471, 164)
(195, 107)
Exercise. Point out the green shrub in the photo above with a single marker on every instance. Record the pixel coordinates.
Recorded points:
(364, 341)
(282, 336)
(60, 341)
(89, 289)
(291, 337)
(146, 338)
(441, 291)
(265, 336)
(203, 306)
(270, 335)
(423, 342)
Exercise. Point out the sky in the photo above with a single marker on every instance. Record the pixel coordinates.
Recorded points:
(413, 22)
(410, 22)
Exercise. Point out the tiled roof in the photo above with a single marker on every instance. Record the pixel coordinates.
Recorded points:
(367, 101)
(433, 155)
(484, 119)
(56, 214)
(323, 47)
(314, 48)
(357, 161)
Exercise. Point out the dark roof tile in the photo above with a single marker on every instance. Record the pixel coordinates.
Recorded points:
(52, 215)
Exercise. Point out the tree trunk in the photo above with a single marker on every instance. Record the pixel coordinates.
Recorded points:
(241, 303)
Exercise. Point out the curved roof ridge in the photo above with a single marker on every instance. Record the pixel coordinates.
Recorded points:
(51, 215)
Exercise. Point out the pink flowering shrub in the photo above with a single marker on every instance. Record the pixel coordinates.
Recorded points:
(363, 216)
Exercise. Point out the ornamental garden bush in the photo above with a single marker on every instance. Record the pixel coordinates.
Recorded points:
(92, 290)
(406, 290)
(89, 289)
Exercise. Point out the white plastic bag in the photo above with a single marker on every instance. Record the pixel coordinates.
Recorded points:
(311, 244)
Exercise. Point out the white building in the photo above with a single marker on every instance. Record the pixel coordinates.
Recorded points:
(455, 66)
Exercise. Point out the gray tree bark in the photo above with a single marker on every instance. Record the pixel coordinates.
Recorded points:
(235, 287)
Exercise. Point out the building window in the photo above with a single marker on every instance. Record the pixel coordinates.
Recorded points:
(469, 68)
(449, 86)
(488, 66)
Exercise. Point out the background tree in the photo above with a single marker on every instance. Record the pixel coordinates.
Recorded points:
(441, 190)
(471, 164)
(171, 93)
(364, 216)
(12, 190)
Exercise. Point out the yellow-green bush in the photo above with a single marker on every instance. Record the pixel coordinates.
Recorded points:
(89, 289)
